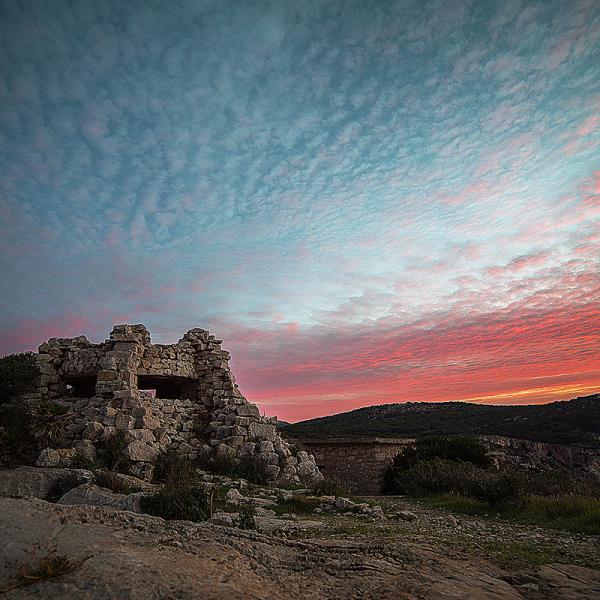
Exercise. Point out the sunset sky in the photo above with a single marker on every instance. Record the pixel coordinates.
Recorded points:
(369, 201)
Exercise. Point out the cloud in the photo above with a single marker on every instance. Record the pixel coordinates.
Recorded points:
(331, 166)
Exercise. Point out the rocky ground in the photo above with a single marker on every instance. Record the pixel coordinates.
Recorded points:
(341, 550)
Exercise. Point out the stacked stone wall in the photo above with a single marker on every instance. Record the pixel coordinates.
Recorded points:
(210, 418)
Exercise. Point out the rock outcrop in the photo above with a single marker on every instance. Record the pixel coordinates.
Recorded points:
(180, 397)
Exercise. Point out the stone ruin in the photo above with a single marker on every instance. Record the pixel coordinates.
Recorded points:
(160, 397)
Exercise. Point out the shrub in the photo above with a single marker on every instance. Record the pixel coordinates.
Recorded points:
(249, 467)
(496, 488)
(83, 461)
(331, 486)
(51, 409)
(17, 443)
(43, 567)
(49, 428)
(246, 517)
(174, 469)
(441, 476)
(189, 503)
(112, 453)
(301, 505)
(557, 483)
(457, 449)
(18, 375)
(220, 465)
(253, 469)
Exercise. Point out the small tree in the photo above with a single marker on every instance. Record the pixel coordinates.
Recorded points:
(18, 375)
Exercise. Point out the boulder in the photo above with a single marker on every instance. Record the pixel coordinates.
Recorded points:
(234, 497)
(344, 504)
(31, 481)
(406, 515)
(223, 519)
(91, 495)
(141, 451)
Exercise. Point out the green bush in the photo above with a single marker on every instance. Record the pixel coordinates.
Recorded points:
(174, 469)
(441, 476)
(457, 449)
(112, 453)
(219, 465)
(52, 409)
(331, 486)
(246, 517)
(253, 469)
(299, 505)
(189, 503)
(18, 375)
(249, 467)
(17, 443)
(83, 461)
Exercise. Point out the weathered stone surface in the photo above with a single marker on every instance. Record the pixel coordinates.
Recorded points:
(48, 458)
(92, 495)
(141, 451)
(133, 556)
(38, 482)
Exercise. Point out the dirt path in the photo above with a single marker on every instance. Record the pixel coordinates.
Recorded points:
(128, 556)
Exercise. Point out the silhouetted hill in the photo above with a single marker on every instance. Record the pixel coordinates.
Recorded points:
(568, 422)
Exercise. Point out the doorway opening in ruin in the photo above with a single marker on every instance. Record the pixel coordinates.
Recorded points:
(167, 386)
(81, 386)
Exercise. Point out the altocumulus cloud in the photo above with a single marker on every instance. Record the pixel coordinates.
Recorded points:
(370, 202)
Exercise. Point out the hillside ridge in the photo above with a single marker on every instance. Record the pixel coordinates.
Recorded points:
(575, 421)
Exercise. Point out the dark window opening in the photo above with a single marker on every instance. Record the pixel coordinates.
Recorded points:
(166, 387)
(83, 386)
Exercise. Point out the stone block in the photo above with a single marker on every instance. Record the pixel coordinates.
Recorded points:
(248, 410)
(147, 423)
(261, 431)
(124, 422)
(141, 451)
(265, 447)
(106, 375)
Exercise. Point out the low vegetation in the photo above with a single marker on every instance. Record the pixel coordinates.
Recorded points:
(569, 513)
(41, 566)
(190, 502)
(112, 453)
(250, 468)
(298, 505)
(454, 474)
(331, 486)
(246, 518)
(18, 375)
(171, 468)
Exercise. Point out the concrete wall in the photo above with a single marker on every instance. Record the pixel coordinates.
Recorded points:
(360, 463)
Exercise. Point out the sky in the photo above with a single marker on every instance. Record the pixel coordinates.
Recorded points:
(369, 202)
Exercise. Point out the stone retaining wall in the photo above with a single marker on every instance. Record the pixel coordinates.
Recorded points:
(360, 463)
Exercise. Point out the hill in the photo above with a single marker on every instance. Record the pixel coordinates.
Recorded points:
(574, 421)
